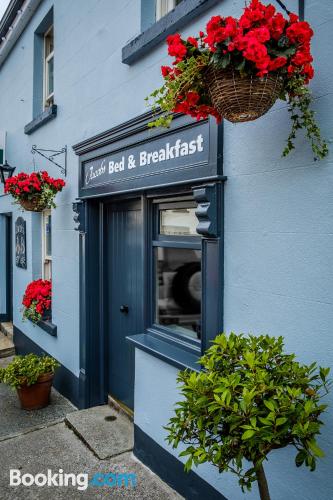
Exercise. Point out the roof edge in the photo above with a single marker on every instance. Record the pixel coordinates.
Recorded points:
(9, 16)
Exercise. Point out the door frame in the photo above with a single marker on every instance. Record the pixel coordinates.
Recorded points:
(8, 315)
(93, 384)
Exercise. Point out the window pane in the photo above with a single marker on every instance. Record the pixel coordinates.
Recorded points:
(180, 221)
(48, 236)
(49, 46)
(50, 76)
(178, 290)
(165, 6)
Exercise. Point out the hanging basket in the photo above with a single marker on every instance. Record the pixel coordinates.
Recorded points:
(244, 99)
(33, 205)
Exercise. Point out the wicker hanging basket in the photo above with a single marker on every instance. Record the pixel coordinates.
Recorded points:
(33, 205)
(244, 99)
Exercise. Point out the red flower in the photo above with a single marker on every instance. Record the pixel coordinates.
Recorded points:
(277, 63)
(299, 32)
(176, 47)
(256, 52)
(192, 41)
(38, 296)
(302, 57)
(261, 34)
(24, 185)
(277, 25)
(308, 71)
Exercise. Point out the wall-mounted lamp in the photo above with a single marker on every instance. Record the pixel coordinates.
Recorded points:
(6, 171)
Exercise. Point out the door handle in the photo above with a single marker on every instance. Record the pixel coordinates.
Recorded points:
(124, 309)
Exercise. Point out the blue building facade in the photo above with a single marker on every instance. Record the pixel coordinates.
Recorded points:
(129, 309)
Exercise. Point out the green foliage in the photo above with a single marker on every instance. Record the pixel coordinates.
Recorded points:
(249, 399)
(302, 116)
(31, 313)
(27, 369)
(164, 99)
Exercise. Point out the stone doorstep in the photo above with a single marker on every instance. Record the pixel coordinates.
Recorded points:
(6, 346)
(7, 329)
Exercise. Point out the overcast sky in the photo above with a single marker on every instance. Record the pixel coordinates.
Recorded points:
(3, 6)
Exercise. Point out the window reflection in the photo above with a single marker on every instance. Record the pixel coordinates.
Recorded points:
(181, 221)
(178, 289)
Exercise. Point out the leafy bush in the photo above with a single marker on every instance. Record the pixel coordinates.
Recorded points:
(249, 399)
(25, 370)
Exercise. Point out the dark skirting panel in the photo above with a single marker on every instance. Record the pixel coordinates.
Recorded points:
(64, 381)
(171, 470)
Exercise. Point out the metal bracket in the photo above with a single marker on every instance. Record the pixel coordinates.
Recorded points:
(50, 157)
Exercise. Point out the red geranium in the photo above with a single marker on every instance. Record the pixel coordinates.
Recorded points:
(260, 43)
(38, 184)
(37, 299)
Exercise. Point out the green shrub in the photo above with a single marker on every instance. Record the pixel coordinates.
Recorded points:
(26, 369)
(249, 399)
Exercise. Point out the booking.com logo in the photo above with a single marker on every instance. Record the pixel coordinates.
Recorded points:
(80, 481)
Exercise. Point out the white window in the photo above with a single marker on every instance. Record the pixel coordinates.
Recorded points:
(48, 68)
(47, 244)
(165, 6)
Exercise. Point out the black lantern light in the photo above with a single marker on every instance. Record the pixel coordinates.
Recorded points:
(6, 171)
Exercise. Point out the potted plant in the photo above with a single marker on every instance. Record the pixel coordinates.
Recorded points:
(32, 377)
(34, 192)
(237, 70)
(249, 399)
(37, 300)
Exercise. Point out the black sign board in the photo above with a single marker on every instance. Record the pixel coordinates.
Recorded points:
(20, 243)
(148, 159)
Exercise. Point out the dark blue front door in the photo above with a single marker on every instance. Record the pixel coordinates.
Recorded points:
(125, 282)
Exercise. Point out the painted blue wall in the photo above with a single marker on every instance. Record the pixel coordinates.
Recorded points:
(278, 263)
(278, 212)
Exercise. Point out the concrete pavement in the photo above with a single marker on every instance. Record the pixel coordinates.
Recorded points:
(59, 440)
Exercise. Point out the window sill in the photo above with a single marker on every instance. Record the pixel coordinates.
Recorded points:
(165, 351)
(41, 119)
(157, 33)
(48, 327)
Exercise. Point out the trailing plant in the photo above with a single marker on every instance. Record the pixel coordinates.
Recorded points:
(25, 370)
(261, 43)
(38, 186)
(249, 399)
(37, 300)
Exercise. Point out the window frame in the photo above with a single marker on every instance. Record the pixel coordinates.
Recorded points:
(170, 241)
(46, 259)
(48, 99)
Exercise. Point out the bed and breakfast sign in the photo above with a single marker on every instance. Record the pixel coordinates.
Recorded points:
(164, 159)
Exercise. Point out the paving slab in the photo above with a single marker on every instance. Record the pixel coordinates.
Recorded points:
(58, 447)
(14, 420)
(106, 431)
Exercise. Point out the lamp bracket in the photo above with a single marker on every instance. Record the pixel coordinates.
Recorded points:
(50, 154)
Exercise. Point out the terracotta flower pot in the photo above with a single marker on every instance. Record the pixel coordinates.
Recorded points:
(36, 396)
(33, 205)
